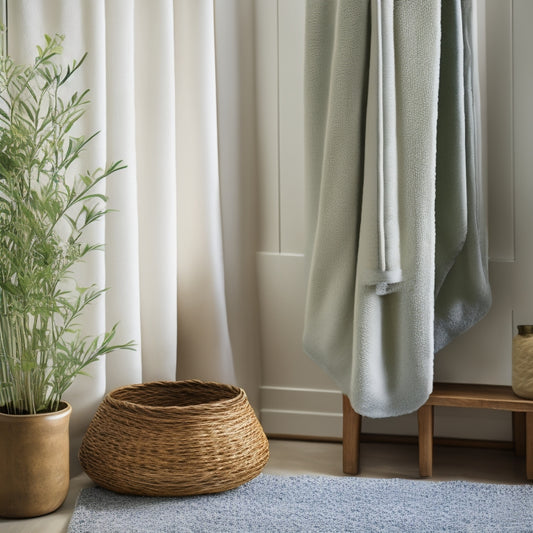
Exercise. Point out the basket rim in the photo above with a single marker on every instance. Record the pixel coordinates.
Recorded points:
(238, 396)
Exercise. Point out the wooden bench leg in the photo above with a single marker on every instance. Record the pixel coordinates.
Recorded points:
(425, 440)
(351, 431)
(529, 445)
(519, 433)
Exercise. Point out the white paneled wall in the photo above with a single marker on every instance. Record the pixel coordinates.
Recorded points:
(297, 397)
(291, 115)
(267, 151)
(499, 76)
(279, 71)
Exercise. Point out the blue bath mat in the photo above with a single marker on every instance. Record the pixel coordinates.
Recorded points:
(315, 504)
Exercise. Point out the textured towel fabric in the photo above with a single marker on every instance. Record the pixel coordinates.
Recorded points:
(377, 347)
(317, 504)
(451, 198)
(336, 80)
(392, 373)
(463, 294)
(399, 263)
(382, 265)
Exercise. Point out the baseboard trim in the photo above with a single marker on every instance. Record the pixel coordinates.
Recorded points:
(318, 413)
(403, 439)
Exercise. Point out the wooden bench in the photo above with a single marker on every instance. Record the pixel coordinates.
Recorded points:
(451, 395)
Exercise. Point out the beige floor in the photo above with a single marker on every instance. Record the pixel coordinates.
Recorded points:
(296, 457)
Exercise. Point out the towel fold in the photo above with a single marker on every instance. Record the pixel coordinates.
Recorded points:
(451, 196)
(392, 359)
(462, 289)
(336, 84)
(381, 267)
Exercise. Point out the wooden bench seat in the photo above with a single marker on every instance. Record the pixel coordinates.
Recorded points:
(451, 395)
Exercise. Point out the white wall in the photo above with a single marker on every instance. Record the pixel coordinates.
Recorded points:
(297, 398)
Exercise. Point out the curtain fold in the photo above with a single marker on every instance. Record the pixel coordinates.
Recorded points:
(236, 111)
(154, 90)
(202, 298)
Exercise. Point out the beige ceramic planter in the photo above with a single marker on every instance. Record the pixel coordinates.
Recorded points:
(34, 462)
(522, 379)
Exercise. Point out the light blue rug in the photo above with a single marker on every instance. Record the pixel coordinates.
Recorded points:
(315, 504)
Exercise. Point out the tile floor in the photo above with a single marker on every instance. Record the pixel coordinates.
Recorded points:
(301, 457)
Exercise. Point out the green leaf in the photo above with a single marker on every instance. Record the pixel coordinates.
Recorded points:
(44, 209)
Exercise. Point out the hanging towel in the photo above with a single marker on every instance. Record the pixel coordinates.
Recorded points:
(399, 263)
(374, 339)
(336, 84)
(382, 266)
(451, 197)
(462, 289)
(392, 367)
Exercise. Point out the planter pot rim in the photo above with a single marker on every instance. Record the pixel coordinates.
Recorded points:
(65, 408)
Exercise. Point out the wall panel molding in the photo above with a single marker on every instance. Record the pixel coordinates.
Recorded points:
(500, 129)
(318, 413)
(267, 123)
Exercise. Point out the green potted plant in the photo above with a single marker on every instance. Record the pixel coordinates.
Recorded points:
(45, 207)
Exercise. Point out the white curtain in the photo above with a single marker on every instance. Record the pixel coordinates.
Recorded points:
(171, 94)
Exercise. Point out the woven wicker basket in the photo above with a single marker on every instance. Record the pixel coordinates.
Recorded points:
(174, 439)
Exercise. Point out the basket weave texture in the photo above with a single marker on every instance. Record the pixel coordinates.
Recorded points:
(174, 438)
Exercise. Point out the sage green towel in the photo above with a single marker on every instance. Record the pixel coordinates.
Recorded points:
(336, 79)
(377, 346)
(380, 266)
(392, 359)
(462, 289)
(398, 255)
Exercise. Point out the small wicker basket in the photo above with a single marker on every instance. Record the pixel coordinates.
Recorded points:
(174, 439)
